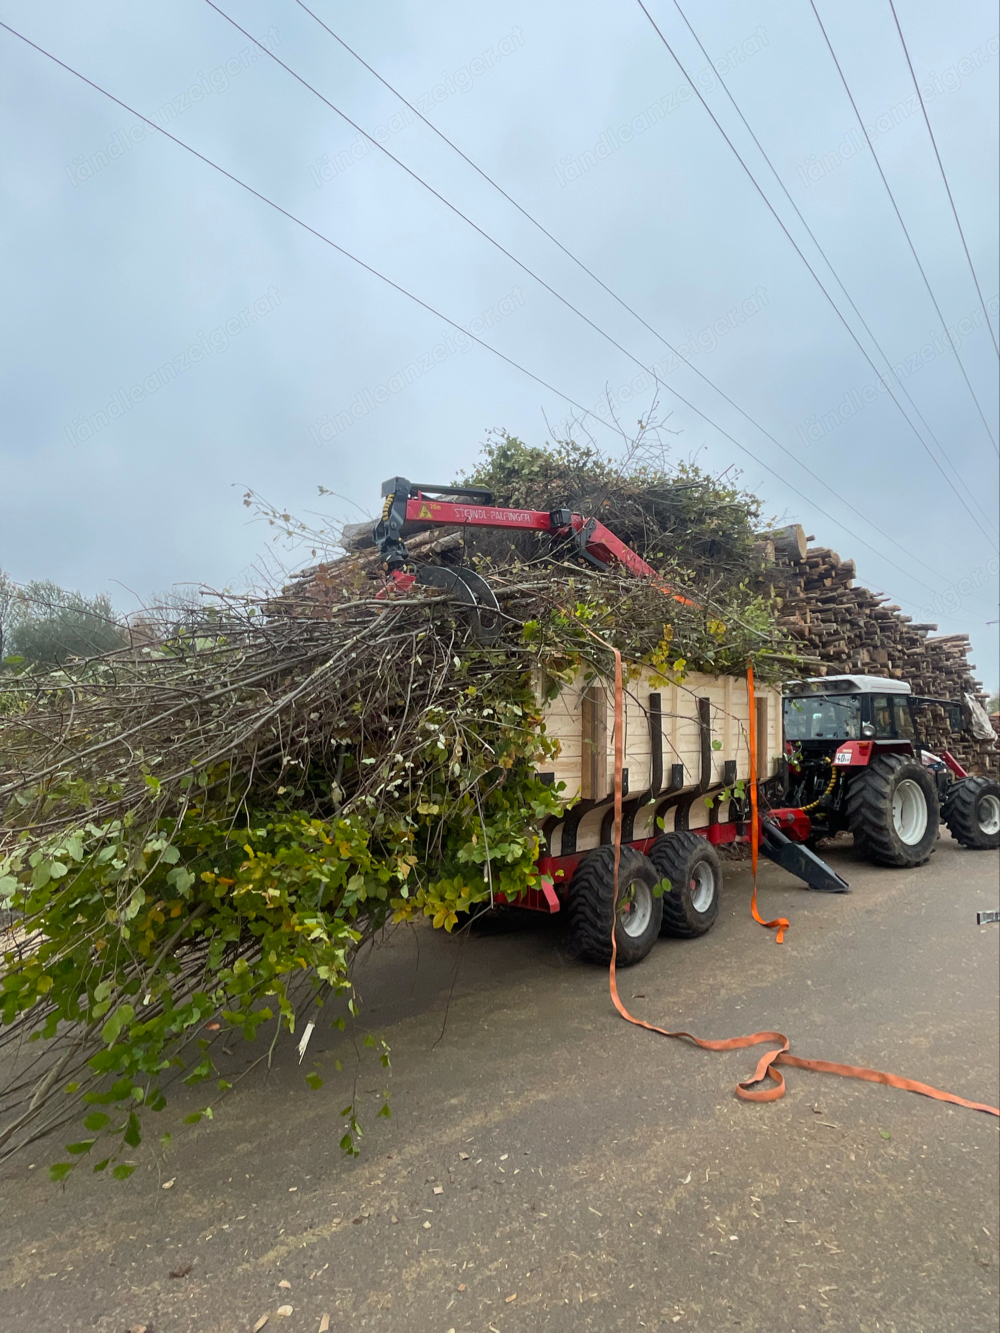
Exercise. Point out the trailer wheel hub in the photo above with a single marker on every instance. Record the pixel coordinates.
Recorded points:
(635, 907)
(909, 812)
(702, 887)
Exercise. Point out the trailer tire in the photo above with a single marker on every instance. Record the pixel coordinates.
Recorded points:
(972, 813)
(590, 904)
(692, 866)
(893, 811)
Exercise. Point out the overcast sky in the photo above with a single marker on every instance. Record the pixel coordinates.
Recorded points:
(170, 339)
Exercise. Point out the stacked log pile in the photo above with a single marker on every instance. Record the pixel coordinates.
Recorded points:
(353, 574)
(845, 628)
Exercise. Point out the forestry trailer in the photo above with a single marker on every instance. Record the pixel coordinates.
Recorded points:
(849, 757)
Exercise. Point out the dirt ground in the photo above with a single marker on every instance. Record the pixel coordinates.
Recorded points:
(549, 1167)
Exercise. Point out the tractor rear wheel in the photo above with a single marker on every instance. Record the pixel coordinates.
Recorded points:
(692, 866)
(972, 812)
(893, 811)
(590, 907)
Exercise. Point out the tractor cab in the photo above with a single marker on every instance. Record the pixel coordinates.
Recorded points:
(822, 712)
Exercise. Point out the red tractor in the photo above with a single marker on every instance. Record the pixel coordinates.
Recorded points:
(856, 762)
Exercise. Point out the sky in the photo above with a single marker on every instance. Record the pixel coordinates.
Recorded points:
(170, 340)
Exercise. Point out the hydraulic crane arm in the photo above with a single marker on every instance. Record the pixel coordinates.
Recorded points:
(408, 502)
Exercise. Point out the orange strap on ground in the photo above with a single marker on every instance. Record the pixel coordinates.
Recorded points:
(782, 1056)
(780, 923)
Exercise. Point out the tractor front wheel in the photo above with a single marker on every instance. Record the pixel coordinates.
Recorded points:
(591, 907)
(893, 811)
(972, 813)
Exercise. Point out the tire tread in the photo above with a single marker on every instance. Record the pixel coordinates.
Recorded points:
(670, 855)
(959, 812)
(869, 812)
(589, 905)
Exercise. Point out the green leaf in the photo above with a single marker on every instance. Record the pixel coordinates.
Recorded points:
(60, 1170)
(385, 1111)
(314, 1081)
(96, 1121)
(123, 1171)
(885, 1133)
(133, 1134)
(101, 1166)
(119, 1019)
(83, 1146)
(193, 1118)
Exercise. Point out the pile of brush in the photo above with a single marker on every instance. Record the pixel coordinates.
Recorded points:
(222, 808)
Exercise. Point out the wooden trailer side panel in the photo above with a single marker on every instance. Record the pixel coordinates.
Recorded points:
(703, 727)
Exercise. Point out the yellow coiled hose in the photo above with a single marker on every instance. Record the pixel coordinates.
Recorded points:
(829, 788)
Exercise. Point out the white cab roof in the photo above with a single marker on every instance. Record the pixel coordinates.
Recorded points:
(848, 685)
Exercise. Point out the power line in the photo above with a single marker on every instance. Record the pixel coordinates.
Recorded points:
(815, 275)
(944, 177)
(574, 308)
(624, 304)
(292, 217)
(430, 188)
(649, 371)
(829, 263)
(431, 309)
(909, 241)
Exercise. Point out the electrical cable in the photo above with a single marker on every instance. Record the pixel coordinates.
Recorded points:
(829, 264)
(624, 304)
(944, 177)
(312, 230)
(909, 241)
(430, 188)
(431, 309)
(625, 352)
(805, 261)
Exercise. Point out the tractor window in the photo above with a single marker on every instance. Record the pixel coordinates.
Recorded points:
(823, 718)
(882, 716)
(904, 722)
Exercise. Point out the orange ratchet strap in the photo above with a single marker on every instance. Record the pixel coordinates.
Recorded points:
(782, 1056)
(780, 923)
